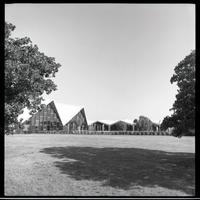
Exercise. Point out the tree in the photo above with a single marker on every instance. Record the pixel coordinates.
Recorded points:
(136, 128)
(168, 122)
(183, 117)
(28, 74)
(145, 124)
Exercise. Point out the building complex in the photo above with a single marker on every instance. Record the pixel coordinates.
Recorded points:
(55, 116)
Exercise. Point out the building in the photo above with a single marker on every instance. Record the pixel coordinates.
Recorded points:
(53, 117)
(98, 126)
(110, 125)
(122, 126)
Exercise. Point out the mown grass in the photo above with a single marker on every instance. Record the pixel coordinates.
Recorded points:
(99, 165)
(124, 167)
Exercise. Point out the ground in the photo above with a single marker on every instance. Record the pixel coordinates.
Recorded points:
(97, 165)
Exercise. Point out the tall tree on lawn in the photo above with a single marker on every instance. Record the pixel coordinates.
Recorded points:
(183, 117)
(28, 74)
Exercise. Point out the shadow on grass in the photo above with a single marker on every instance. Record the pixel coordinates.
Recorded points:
(125, 167)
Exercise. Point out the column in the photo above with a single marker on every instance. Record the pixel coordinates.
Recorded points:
(125, 127)
(68, 128)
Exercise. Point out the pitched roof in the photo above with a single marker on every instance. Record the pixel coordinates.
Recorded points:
(65, 111)
(129, 121)
(124, 121)
(108, 122)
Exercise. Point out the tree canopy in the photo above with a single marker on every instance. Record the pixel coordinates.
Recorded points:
(183, 117)
(28, 74)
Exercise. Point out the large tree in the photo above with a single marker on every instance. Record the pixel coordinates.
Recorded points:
(183, 117)
(168, 122)
(28, 74)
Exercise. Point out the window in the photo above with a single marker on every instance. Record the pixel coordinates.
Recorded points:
(55, 117)
(37, 122)
(33, 120)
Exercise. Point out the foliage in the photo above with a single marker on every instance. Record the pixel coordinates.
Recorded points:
(28, 74)
(136, 128)
(144, 123)
(183, 117)
(167, 122)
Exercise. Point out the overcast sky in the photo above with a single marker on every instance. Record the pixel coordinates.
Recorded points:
(117, 59)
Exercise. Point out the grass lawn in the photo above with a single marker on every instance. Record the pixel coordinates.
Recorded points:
(97, 165)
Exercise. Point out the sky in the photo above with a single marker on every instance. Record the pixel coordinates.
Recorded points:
(116, 59)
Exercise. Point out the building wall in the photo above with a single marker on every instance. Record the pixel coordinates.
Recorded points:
(78, 122)
(98, 126)
(45, 120)
(121, 126)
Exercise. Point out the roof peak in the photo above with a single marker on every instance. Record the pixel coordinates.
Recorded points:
(48, 101)
(65, 111)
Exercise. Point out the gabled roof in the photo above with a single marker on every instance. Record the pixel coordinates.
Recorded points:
(108, 122)
(124, 121)
(65, 111)
(129, 121)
